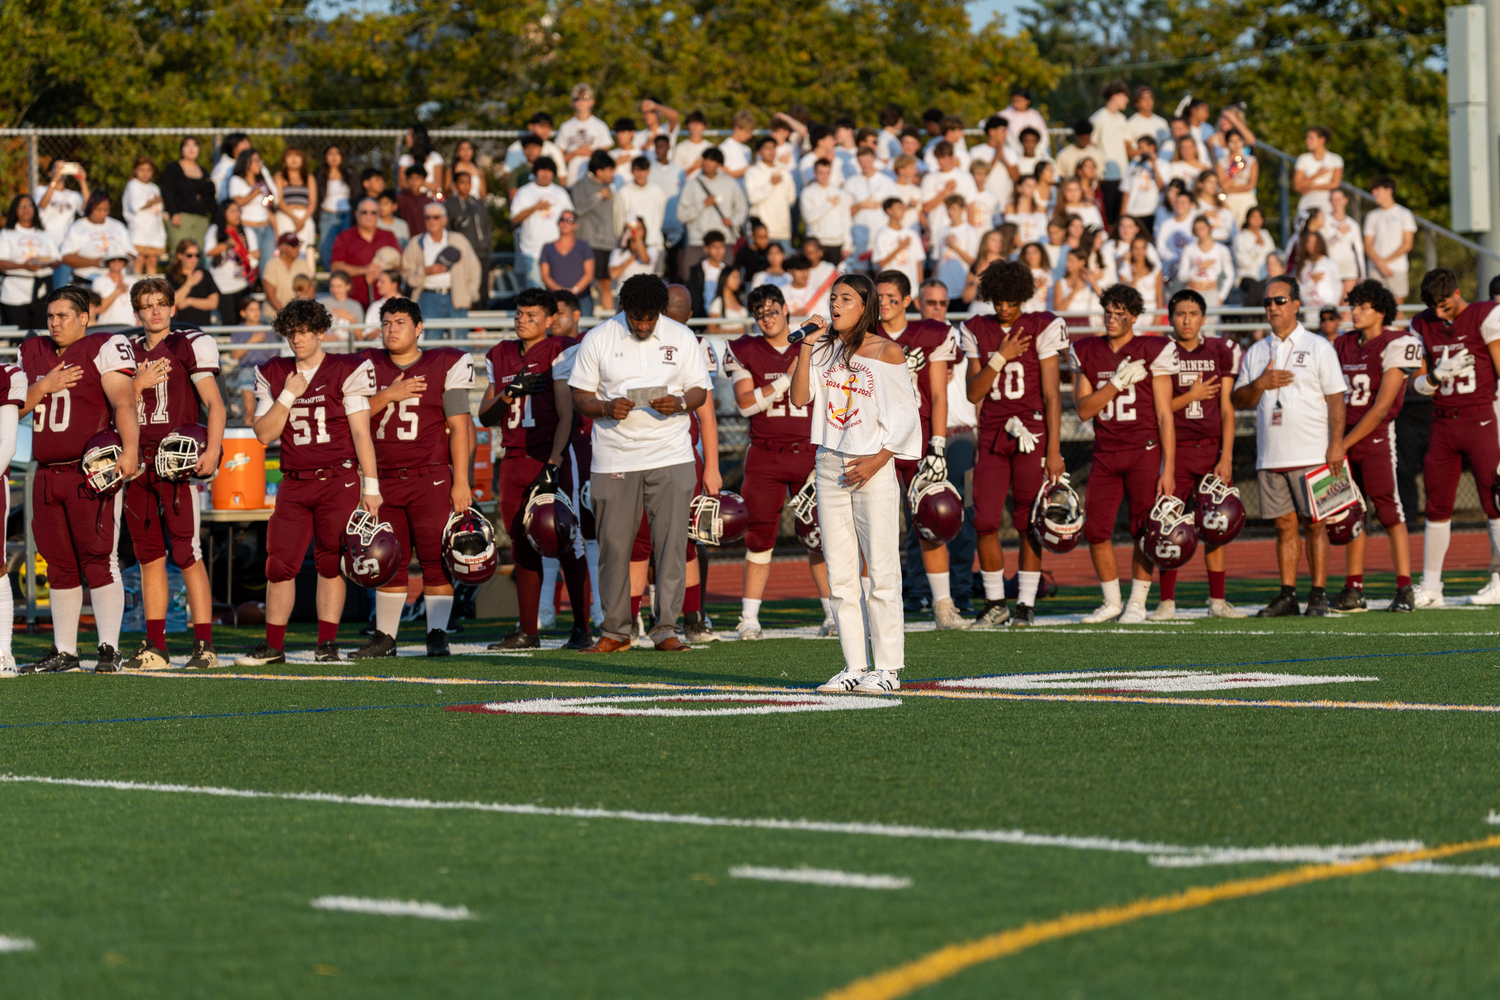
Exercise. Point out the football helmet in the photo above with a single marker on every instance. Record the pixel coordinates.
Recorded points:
(1057, 517)
(469, 551)
(804, 508)
(1218, 511)
(100, 477)
(370, 555)
(177, 455)
(550, 523)
(718, 520)
(937, 509)
(1169, 539)
(1347, 525)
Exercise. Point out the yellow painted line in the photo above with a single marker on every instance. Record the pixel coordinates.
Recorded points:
(949, 961)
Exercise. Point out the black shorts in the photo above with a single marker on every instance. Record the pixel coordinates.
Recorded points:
(601, 264)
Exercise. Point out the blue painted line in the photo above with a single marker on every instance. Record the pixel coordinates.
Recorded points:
(225, 715)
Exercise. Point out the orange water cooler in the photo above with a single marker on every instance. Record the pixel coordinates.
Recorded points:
(241, 484)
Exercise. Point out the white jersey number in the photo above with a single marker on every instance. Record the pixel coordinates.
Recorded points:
(520, 414)
(158, 414)
(1194, 410)
(1359, 390)
(302, 431)
(406, 425)
(57, 407)
(1011, 383)
(1122, 407)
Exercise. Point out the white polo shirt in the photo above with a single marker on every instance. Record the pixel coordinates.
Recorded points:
(610, 362)
(1300, 438)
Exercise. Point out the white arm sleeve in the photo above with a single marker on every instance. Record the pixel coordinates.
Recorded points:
(968, 343)
(359, 386)
(1167, 362)
(115, 355)
(460, 374)
(1053, 341)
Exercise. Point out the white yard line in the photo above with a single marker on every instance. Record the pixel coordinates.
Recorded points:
(1434, 868)
(392, 907)
(821, 876)
(16, 944)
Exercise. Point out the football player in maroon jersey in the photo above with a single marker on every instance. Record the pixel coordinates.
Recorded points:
(1377, 361)
(780, 456)
(175, 370)
(420, 413)
(1013, 376)
(536, 426)
(575, 478)
(79, 381)
(318, 404)
(1462, 340)
(1123, 383)
(1204, 421)
(930, 347)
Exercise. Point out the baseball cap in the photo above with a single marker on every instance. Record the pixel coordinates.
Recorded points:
(288, 239)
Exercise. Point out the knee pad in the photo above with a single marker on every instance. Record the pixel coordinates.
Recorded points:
(525, 556)
(758, 558)
(279, 570)
(434, 574)
(327, 564)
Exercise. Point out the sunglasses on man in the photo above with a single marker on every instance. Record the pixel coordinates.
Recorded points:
(1274, 300)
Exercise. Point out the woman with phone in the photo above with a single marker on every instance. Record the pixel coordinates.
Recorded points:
(252, 190)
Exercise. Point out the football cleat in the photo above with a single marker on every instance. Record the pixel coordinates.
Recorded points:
(829, 629)
(1219, 513)
(8, 665)
(203, 656)
(878, 682)
(1403, 600)
(947, 616)
(937, 509)
(1351, 600)
(1281, 606)
(1317, 606)
(260, 656)
(748, 629)
(842, 682)
(437, 642)
(1218, 607)
(1490, 593)
(1023, 615)
(695, 628)
(370, 555)
(1057, 517)
(54, 661)
(1134, 614)
(101, 475)
(579, 638)
(995, 614)
(516, 640)
(1103, 613)
(1429, 598)
(718, 520)
(1166, 610)
(379, 647)
(550, 523)
(177, 455)
(147, 657)
(327, 652)
(546, 617)
(469, 551)
(1169, 538)
(109, 661)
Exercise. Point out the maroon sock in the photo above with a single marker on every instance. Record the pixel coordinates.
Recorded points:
(692, 599)
(327, 631)
(1403, 581)
(1355, 580)
(1169, 585)
(575, 574)
(203, 633)
(156, 633)
(1216, 584)
(635, 607)
(529, 596)
(275, 636)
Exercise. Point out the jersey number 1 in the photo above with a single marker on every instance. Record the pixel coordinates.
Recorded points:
(302, 432)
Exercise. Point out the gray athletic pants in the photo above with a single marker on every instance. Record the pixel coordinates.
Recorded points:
(618, 499)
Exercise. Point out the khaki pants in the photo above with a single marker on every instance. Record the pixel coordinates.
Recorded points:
(618, 500)
(193, 228)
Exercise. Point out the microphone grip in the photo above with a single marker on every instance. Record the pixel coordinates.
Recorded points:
(801, 333)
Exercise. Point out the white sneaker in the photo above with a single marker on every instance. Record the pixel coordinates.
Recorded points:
(1135, 614)
(1429, 598)
(829, 629)
(546, 617)
(947, 616)
(748, 628)
(878, 682)
(7, 665)
(1218, 607)
(1491, 592)
(843, 682)
(1165, 612)
(1104, 613)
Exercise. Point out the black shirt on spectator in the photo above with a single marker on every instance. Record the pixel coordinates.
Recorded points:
(184, 194)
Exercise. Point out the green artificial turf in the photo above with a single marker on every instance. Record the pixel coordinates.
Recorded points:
(130, 893)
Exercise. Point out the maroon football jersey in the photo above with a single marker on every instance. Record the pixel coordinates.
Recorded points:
(1365, 365)
(414, 432)
(173, 401)
(65, 421)
(316, 435)
(1017, 391)
(1475, 327)
(781, 424)
(936, 342)
(529, 421)
(1214, 356)
(1129, 420)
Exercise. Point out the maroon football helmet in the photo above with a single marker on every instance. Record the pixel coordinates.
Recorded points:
(100, 477)
(937, 509)
(718, 520)
(1057, 517)
(550, 523)
(804, 507)
(1347, 525)
(371, 554)
(177, 455)
(469, 551)
(1218, 514)
(1169, 539)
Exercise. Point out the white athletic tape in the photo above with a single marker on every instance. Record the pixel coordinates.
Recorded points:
(821, 876)
(392, 907)
(16, 944)
(759, 558)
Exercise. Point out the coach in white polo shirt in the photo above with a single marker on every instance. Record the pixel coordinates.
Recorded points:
(1295, 384)
(643, 455)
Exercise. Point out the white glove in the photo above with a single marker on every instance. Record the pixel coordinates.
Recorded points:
(1128, 374)
(916, 359)
(1026, 440)
(997, 361)
(780, 386)
(934, 465)
(1460, 362)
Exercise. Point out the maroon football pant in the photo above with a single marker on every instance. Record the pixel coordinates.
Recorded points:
(517, 472)
(770, 476)
(75, 534)
(417, 509)
(1469, 439)
(1004, 470)
(1117, 475)
(157, 510)
(1195, 460)
(310, 510)
(1373, 465)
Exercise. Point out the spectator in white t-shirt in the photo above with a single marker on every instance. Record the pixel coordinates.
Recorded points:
(892, 122)
(58, 207)
(947, 179)
(1317, 274)
(1317, 172)
(1141, 195)
(1346, 245)
(582, 134)
(771, 191)
(824, 144)
(539, 125)
(93, 239)
(953, 135)
(535, 210)
(1145, 122)
(1082, 146)
(867, 192)
(639, 199)
(688, 153)
(1389, 232)
(660, 120)
(825, 211)
(736, 149)
(419, 152)
(1020, 115)
(113, 289)
(1112, 136)
(1175, 233)
(897, 248)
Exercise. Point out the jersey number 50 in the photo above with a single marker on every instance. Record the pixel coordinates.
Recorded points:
(58, 408)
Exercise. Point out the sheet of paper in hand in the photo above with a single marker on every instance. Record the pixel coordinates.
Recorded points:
(643, 397)
(1330, 490)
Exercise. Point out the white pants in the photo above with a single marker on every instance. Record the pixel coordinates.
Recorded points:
(866, 520)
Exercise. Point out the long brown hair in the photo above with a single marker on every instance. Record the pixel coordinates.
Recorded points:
(849, 344)
(286, 171)
(174, 270)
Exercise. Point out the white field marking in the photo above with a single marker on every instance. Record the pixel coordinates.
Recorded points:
(1433, 868)
(1147, 680)
(305, 656)
(1016, 837)
(821, 876)
(1493, 819)
(16, 944)
(1305, 855)
(628, 704)
(392, 907)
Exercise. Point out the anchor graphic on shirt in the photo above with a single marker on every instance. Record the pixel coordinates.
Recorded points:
(841, 415)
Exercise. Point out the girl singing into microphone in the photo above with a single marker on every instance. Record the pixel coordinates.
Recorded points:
(864, 415)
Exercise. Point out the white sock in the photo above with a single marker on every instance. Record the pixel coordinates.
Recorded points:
(591, 553)
(1111, 590)
(1434, 551)
(109, 612)
(388, 608)
(1494, 543)
(67, 605)
(827, 603)
(7, 615)
(439, 608)
(1029, 582)
(750, 609)
(994, 585)
(550, 567)
(938, 582)
(1139, 591)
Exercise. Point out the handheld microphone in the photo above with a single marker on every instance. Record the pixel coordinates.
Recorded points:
(801, 333)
